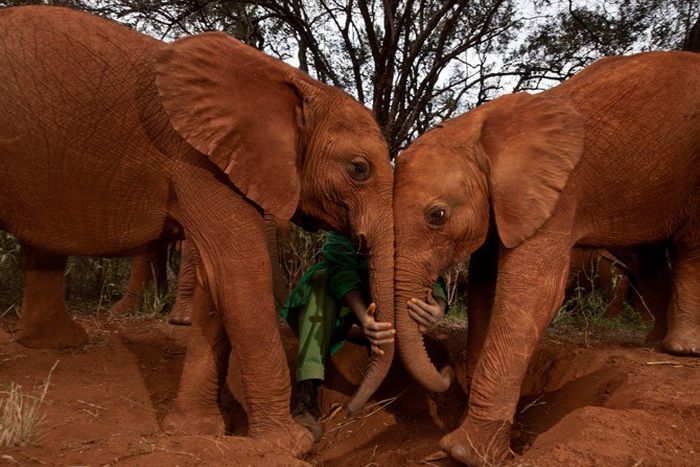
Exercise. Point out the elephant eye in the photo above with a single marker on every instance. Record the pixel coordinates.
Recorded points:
(437, 216)
(359, 170)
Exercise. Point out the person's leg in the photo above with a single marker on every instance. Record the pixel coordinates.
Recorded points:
(316, 325)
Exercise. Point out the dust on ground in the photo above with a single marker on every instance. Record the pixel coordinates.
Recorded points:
(603, 403)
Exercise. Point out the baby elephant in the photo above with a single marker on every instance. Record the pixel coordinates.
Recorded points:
(112, 142)
(610, 158)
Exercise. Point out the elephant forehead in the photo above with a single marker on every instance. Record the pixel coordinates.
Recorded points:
(429, 178)
(429, 161)
(349, 116)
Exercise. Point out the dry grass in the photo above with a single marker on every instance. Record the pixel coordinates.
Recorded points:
(19, 412)
(153, 302)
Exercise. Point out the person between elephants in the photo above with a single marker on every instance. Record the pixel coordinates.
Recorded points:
(328, 300)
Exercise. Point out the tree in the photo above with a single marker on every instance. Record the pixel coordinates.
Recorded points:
(414, 62)
(418, 62)
(692, 42)
(578, 33)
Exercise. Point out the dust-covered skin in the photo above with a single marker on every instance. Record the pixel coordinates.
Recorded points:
(111, 141)
(610, 158)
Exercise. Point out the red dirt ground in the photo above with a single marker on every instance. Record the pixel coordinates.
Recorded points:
(609, 404)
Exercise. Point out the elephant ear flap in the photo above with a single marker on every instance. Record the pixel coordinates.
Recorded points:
(532, 144)
(232, 103)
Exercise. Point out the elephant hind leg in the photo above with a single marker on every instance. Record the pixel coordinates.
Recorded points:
(683, 335)
(197, 408)
(181, 314)
(653, 282)
(146, 269)
(44, 321)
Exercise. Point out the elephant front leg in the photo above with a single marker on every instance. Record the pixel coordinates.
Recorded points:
(44, 321)
(197, 409)
(530, 287)
(228, 234)
(253, 329)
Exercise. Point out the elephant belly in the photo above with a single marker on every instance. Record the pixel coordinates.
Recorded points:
(84, 209)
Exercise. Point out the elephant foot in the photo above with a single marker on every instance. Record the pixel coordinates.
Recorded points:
(683, 343)
(291, 437)
(180, 315)
(60, 334)
(478, 443)
(311, 423)
(124, 306)
(202, 422)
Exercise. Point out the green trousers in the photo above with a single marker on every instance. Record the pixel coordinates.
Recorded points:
(321, 325)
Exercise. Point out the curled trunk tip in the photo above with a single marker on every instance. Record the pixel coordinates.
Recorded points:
(379, 367)
(412, 347)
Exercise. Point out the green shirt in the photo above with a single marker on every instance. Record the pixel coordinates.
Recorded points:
(347, 271)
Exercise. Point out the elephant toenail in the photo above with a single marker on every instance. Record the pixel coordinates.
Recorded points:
(458, 452)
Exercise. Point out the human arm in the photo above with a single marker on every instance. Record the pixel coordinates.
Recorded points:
(426, 314)
(378, 333)
(347, 276)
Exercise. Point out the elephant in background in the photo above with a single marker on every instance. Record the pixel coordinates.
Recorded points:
(150, 269)
(641, 275)
(597, 268)
(610, 158)
(112, 142)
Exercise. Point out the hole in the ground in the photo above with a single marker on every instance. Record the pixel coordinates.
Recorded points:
(560, 380)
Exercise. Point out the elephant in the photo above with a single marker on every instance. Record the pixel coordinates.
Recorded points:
(592, 268)
(609, 158)
(598, 268)
(112, 142)
(150, 268)
(640, 276)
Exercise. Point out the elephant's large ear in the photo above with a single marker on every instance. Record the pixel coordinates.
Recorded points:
(532, 144)
(235, 104)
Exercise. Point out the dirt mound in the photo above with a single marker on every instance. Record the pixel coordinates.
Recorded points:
(604, 405)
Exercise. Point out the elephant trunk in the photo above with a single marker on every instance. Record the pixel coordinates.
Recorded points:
(410, 341)
(380, 246)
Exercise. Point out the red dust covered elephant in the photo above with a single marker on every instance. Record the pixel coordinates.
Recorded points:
(610, 158)
(111, 141)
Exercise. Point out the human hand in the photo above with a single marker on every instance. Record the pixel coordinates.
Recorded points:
(377, 332)
(426, 314)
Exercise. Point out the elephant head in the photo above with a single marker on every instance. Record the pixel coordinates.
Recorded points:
(499, 167)
(291, 145)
